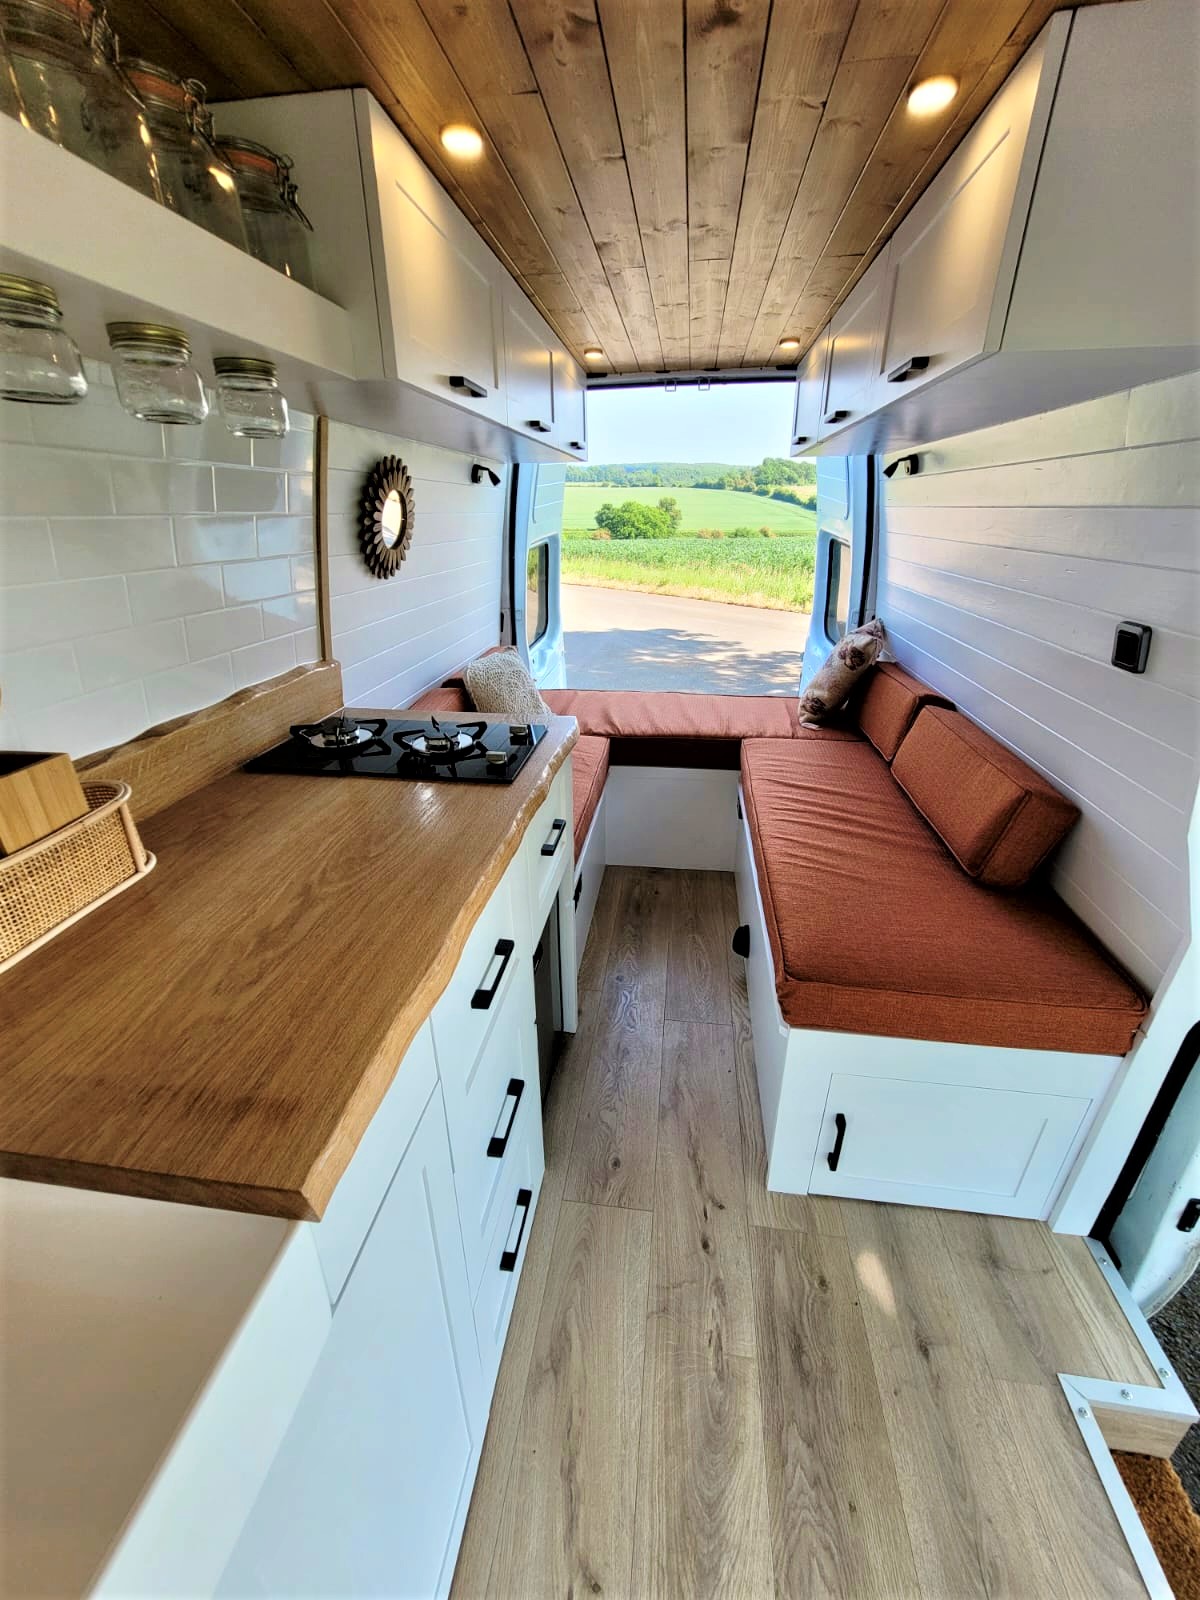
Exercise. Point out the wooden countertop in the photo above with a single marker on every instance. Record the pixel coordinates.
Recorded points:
(223, 1033)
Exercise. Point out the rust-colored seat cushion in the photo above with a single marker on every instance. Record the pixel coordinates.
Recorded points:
(666, 714)
(875, 930)
(589, 771)
(448, 698)
(998, 817)
(888, 706)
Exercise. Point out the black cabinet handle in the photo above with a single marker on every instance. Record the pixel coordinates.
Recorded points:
(741, 940)
(907, 368)
(800, 438)
(578, 891)
(537, 425)
(835, 416)
(468, 386)
(555, 837)
(498, 1143)
(508, 1258)
(835, 1155)
(482, 999)
(576, 444)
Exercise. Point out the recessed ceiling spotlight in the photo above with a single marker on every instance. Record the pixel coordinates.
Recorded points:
(788, 345)
(593, 353)
(461, 140)
(931, 95)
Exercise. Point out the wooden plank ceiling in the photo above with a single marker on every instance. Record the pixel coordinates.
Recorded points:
(682, 183)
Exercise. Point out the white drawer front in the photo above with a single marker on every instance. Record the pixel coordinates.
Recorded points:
(505, 1253)
(944, 1144)
(473, 997)
(549, 846)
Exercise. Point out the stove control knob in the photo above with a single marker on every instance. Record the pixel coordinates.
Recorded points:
(496, 759)
(518, 732)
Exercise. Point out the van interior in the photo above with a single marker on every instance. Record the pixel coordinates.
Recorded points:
(620, 1138)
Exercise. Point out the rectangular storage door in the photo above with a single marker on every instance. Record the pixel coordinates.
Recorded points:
(854, 340)
(529, 358)
(810, 395)
(368, 1493)
(570, 403)
(967, 1148)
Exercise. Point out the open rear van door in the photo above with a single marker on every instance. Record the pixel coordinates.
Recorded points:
(535, 569)
(843, 594)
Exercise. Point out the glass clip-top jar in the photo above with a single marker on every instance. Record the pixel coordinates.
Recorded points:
(154, 374)
(276, 227)
(39, 361)
(249, 397)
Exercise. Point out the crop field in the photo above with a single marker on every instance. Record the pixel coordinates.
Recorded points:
(776, 573)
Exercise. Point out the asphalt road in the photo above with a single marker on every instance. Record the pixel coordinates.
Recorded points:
(620, 639)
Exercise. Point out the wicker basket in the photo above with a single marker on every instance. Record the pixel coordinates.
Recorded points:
(50, 884)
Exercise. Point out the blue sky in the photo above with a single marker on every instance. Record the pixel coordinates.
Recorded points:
(738, 423)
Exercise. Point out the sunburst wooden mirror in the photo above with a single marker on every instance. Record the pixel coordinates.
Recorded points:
(386, 516)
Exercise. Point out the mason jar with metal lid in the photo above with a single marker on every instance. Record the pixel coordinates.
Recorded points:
(276, 227)
(11, 102)
(154, 374)
(249, 397)
(39, 360)
(196, 182)
(64, 54)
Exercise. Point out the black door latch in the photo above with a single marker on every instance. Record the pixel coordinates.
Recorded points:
(1190, 1215)
(741, 940)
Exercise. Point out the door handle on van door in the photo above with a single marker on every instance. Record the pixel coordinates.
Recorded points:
(835, 1155)
(555, 837)
(834, 416)
(482, 999)
(508, 1258)
(537, 425)
(907, 368)
(498, 1143)
(468, 386)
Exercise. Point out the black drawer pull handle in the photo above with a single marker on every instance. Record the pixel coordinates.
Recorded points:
(555, 837)
(482, 999)
(578, 891)
(508, 1258)
(835, 416)
(741, 940)
(468, 386)
(835, 1155)
(800, 438)
(907, 368)
(498, 1143)
(538, 425)
(576, 444)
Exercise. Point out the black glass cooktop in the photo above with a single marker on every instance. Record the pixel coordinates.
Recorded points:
(449, 750)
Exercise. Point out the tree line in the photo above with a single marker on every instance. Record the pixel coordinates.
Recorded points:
(771, 473)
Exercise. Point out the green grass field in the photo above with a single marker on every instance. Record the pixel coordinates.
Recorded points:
(775, 573)
(702, 508)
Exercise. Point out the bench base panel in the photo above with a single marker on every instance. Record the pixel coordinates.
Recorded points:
(675, 817)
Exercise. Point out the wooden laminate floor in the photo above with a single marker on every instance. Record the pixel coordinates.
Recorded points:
(711, 1390)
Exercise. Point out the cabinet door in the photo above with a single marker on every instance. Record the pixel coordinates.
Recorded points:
(368, 1493)
(854, 338)
(944, 1144)
(437, 282)
(810, 392)
(570, 403)
(529, 366)
(954, 257)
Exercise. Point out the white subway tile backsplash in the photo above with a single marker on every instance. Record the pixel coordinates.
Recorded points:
(265, 660)
(98, 423)
(16, 423)
(209, 440)
(308, 646)
(177, 592)
(293, 452)
(219, 631)
(30, 679)
(300, 493)
(284, 536)
(140, 487)
(199, 539)
(130, 653)
(94, 547)
(257, 580)
(93, 722)
(304, 572)
(43, 613)
(289, 614)
(183, 689)
(26, 554)
(239, 489)
(54, 483)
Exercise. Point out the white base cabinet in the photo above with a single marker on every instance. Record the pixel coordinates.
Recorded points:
(369, 1490)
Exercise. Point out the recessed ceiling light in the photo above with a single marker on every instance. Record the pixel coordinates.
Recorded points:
(931, 95)
(462, 140)
(789, 344)
(593, 353)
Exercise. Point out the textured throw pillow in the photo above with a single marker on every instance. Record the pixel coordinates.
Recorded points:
(848, 660)
(500, 682)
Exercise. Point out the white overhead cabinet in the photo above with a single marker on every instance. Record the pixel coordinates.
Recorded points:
(810, 396)
(570, 403)
(1019, 281)
(529, 353)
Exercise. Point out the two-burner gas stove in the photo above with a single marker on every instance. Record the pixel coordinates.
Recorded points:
(345, 746)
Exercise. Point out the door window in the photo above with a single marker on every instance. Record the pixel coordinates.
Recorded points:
(837, 590)
(537, 588)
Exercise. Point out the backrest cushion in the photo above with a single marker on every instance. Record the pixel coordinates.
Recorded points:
(889, 705)
(998, 817)
(500, 682)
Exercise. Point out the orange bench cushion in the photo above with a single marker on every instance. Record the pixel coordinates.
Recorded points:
(666, 714)
(889, 705)
(998, 817)
(444, 700)
(589, 771)
(875, 930)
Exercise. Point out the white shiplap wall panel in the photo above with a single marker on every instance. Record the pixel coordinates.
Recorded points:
(1006, 564)
(399, 637)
